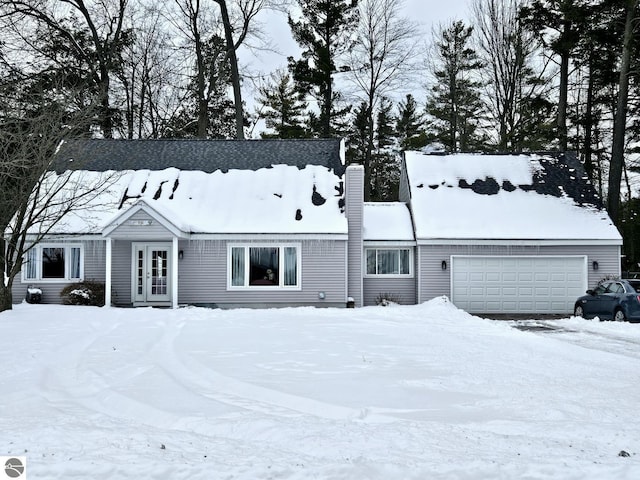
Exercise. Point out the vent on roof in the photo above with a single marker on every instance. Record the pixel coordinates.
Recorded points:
(298, 214)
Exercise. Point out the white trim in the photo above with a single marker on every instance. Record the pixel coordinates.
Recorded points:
(266, 237)
(388, 243)
(107, 279)
(390, 275)
(67, 258)
(134, 267)
(518, 242)
(419, 274)
(174, 272)
(141, 205)
(266, 288)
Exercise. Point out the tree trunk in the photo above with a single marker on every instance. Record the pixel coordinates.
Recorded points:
(235, 74)
(588, 124)
(6, 298)
(562, 102)
(620, 120)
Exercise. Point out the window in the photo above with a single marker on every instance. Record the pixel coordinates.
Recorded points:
(388, 261)
(54, 263)
(266, 266)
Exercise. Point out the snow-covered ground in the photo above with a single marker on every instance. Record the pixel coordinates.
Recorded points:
(417, 392)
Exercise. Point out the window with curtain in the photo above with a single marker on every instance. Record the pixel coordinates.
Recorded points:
(53, 263)
(388, 261)
(264, 266)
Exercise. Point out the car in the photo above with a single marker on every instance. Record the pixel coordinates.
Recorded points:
(611, 300)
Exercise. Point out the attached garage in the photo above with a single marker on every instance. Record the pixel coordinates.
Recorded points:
(517, 284)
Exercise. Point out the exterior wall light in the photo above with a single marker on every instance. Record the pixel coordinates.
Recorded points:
(444, 264)
(595, 265)
(180, 254)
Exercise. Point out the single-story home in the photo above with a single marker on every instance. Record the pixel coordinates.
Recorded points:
(268, 223)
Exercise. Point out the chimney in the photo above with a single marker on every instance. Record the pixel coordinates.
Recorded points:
(354, 203)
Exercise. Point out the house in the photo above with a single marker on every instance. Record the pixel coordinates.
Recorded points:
(268, 223)
(507, 233)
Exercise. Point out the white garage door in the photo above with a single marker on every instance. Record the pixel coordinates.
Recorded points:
(517, 284)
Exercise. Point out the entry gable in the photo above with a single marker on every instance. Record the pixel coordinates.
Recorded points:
(142, 220)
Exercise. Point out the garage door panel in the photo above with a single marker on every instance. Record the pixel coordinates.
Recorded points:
(517, 284)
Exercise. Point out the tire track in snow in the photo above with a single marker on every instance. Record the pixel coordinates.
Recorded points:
(201, 380)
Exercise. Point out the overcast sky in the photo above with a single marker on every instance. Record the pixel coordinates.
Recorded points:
(427, 13)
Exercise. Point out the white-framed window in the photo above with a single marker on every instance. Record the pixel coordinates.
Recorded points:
(49, 262)
(388, 262)
(265, 267)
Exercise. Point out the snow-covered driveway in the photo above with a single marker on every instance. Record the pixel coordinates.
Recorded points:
(412, 392)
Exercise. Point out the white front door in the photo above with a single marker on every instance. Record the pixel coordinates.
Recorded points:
(151, 273)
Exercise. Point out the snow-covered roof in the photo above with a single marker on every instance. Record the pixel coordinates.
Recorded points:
(530, 197)
(282, 199)
(387, 221)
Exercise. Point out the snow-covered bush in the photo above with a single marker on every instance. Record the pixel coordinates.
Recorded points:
(386, 299)
(83, 293)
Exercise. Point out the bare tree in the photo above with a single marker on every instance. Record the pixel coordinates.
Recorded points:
(34, 199)
(381, 59)
(96, 41)
(515, 95)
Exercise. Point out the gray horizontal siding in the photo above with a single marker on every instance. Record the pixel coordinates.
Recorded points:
(94, 269)
(435, 282)
(154, 231)
(400, 290)
(202, 276)
(121, 272)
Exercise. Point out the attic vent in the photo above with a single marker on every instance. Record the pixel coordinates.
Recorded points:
(316, 198)
(298, 214)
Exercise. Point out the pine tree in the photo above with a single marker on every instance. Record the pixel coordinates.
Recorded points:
(323, 33)
(410, 125)
(385, 173)
(358, 135)
(454, 100)
(285, 107)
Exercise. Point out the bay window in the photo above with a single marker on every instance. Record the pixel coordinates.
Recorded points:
(54, 262)
(388, 261)
(264, 266)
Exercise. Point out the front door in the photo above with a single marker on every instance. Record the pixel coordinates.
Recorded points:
(152, 273)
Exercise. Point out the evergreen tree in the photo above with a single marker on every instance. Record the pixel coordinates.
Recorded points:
(410, 125)
(358, 135)
(323, 32)
(558, 24)
(285, 108)
(385, 173)
(454, 100)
